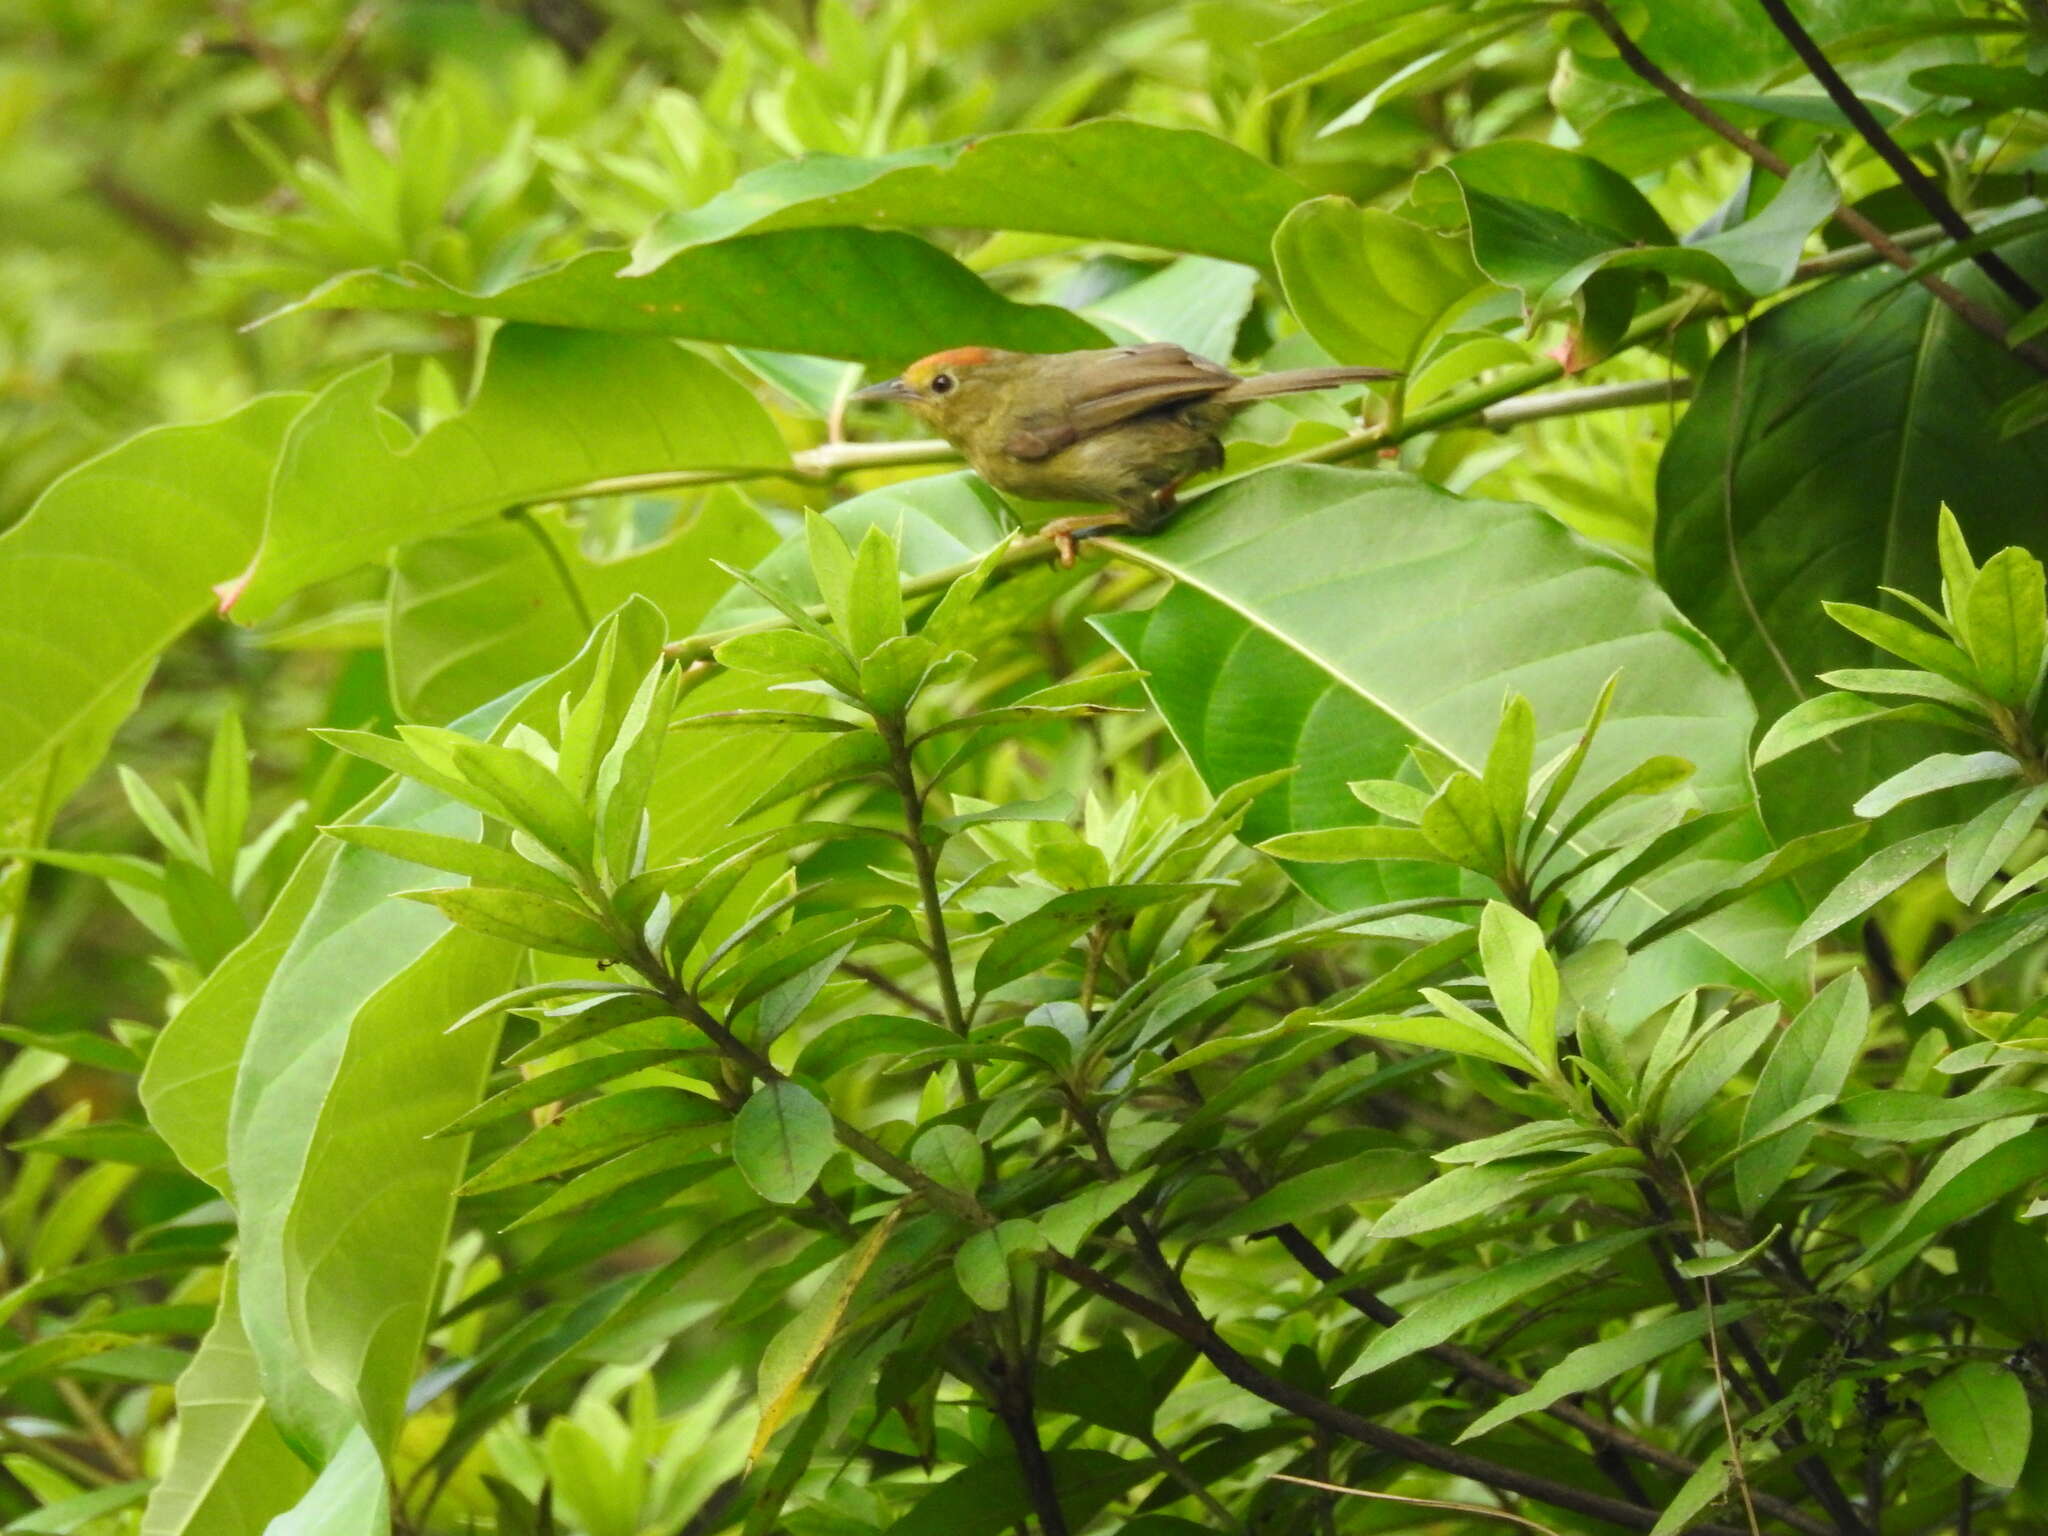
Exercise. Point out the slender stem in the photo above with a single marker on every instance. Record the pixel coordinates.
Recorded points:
(1013, 1405)
(525, 518)
(1198, 1490)
(903, 773)
(1580, 402)
(1977, 316)
(1915, 180)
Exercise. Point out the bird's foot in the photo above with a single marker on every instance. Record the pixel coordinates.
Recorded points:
(1069, 533)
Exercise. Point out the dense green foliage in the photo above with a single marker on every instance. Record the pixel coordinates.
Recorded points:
(597, 942)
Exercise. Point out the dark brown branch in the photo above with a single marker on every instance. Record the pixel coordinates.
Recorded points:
(1915, 180)
(1977, 316)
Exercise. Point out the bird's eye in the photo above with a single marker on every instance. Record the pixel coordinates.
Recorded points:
(942, 383)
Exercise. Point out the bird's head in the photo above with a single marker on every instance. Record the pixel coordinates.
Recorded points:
(951, 390)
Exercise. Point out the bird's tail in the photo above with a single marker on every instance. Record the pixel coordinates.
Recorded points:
(1296, 381)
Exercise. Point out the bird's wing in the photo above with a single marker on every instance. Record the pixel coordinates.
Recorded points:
(1113, 385)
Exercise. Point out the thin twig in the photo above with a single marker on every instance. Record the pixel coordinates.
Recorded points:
(1735, 1463)
(1977, 316)
(1915, 180)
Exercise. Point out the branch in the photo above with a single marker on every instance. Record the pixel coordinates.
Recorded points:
(1977, 316)
(1915, 180)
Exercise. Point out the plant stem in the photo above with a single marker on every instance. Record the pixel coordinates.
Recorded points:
(1976, 315)
(1915, 180)
(903, 773)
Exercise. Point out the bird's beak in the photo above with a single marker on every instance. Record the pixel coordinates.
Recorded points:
(888, 389)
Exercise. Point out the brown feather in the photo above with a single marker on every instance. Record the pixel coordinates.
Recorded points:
(1297, 381)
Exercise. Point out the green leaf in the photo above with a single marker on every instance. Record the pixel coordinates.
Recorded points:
(1592, 1366)
(982, 1265)
(1372, 287)
(793, 1354)
(1813, 1058)
(1446, 1313)
(2005, 625)
(1197, 302)
(1440, 1033)
(1271, 574)
(457, 856)
(1899, 1115)
(1066, 1225)
(230, 1470)
(871, 296)
(522, 917)
(1042, 937)
(949, 1155)
(1985, 1166)
(1713, 1061)
(1816, 719)
(475, 612)
(1109, 179)
(1372, 1174)
(1770, 488)
(1459, 820)
(1459, 1195)
(1870, 882)
(603, 1127)
(1979, 1415)
(874, 599)
(556, 410)
(781, 1141)
(113, 562)
(990, 1494)
(1990, 838)
(1963, 959)
(1944, 770)
(1344, 845)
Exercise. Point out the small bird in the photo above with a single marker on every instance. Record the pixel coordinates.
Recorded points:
(1120, 425)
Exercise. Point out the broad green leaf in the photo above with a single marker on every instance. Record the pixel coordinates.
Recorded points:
(1592, 1366)
(351, 1496)
(1108, 179)
(1445, 1313)
(1812, 1058)
(556, 410)
(871, 296)
(781, 1140)
(1345, 845)
(1772, 496)
(342, 1080)
(1066, 1225)
(230, 1471)
(476, 612)
(950, 1155)
(114, 562)
(1262, 626)
(1372, 287)
(2005, 624)
(982, 1266)
(1197, 302)
(1979, 1414)
(189, 1080)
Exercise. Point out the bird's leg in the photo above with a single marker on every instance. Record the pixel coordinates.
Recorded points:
(1067, 533)
(1161, 505)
